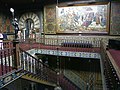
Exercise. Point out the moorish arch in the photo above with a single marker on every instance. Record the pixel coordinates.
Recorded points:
(28, 23)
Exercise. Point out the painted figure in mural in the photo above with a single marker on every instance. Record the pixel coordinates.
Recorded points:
(1, 40)
(97, 18)
(88, 17)
(103, 20)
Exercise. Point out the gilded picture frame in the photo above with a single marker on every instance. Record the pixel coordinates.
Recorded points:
(83, 19)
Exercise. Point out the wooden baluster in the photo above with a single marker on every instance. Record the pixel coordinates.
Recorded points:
(38, 72)
(25, 61)
(28, 62)
(5, 61)
(1, 54)
(9, 60)
(32, 65)
(21, 60)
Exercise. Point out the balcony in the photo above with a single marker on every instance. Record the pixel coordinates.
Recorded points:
(18, 59)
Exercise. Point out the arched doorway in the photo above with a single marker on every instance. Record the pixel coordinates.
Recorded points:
(29, 23)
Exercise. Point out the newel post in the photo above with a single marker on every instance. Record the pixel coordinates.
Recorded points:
(16, 62)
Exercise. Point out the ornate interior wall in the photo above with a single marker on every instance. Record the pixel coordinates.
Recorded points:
(6, 24)
(50, 19)
(51, 22)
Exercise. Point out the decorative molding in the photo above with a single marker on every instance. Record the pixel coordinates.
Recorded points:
(5, 80)
(50, 19)
(68, 53)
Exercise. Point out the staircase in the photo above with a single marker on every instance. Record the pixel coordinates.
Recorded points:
(66, 84)
(17, 63)
(75, 79)
(36, 69)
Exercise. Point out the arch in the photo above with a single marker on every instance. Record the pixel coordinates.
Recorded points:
(22, 23)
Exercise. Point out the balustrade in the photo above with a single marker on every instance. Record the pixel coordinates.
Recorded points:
(13, 56)
(36, 67)
(62, 44)
(111, 74)
(6, 58)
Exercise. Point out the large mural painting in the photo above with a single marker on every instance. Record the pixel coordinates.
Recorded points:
(82, 19)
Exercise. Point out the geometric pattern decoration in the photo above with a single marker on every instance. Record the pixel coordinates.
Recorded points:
(70, 54)
(26, 16)
(50, 20)
(66, 53)
(5, 80)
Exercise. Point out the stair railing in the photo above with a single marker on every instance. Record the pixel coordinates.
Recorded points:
(13, 59)
(110, 75)
(34, 66)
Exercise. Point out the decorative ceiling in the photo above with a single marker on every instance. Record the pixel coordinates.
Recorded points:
(42, 2)
(36, 4)
(27, 4)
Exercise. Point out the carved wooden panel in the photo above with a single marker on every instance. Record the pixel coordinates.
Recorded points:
(50, 20)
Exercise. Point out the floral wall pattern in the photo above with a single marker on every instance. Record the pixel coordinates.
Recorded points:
(6, 24)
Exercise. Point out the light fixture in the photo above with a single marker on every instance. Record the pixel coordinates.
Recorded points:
(15, 23)
(12, 10)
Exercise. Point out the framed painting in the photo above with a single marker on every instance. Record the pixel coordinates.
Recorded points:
(83, 19)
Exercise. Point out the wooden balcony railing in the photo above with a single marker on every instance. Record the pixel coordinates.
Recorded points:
(6, 57)
(110, 72)
(62, 44)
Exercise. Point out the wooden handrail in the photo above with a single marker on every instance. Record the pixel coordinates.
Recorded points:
(37, 59)
(117, 68)
(111, 70)
(36, 67)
